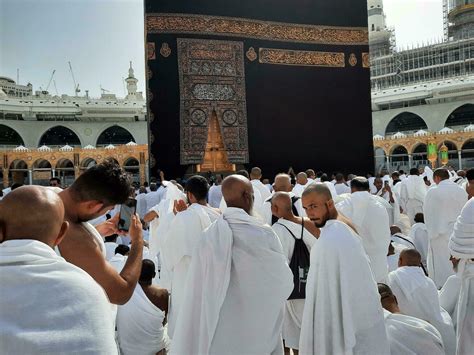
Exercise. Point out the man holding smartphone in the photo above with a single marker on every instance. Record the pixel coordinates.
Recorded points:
(91, 195)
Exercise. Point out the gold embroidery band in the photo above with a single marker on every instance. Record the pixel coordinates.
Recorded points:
(301, 58)
(248, 28)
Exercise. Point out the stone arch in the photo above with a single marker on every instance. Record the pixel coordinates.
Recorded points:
(405, 121)
(450, 144)
(467, 154)
(10, 137)
(65, 164)
(462, 116)
(87, 163)
(132, 166)
(59, 136)
(18, 171)
(399, 158)
(115, 135)
(398, 149)
(18, 164)
(41, 164)
(130, 162)
(420, 155)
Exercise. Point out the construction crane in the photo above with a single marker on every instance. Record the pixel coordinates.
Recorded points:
(76, 86)
(50, 80)
(103, 90)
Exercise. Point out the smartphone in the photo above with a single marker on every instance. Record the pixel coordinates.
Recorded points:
(127, 210)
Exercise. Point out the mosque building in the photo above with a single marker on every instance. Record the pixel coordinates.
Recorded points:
(423, 94)
(44, 135)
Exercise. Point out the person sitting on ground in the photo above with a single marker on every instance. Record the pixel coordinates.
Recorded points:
(141, 321)
(47, 305)
(408, 335)
(418, 297)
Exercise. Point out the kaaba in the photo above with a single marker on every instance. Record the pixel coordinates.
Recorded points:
(268, 83)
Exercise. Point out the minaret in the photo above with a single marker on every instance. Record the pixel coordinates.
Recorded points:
(131, 83)
(461, 19)
(379, 35)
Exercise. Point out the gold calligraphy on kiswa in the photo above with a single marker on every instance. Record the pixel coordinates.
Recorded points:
(301, 58)
(249, 28)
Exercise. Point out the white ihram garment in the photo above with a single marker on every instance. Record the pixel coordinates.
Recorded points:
(412, 196)
(264, 192)
(342, 313)
(49, 306)
(267, 209)
(449, 296)
(370, 218)
(140, 326)
(238, 283)
(293, 308)
(418, 297)
(461, 245)
(443, 204)
(183, 235)
(412, 336)
(419, 235)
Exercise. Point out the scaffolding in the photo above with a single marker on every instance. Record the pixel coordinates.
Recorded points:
(421, 64)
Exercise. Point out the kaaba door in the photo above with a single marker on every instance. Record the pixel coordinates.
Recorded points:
(215, 156)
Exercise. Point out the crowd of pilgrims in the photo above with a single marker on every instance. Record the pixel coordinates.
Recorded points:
(310, 264)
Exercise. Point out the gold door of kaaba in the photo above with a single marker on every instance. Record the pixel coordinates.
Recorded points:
(215, 156)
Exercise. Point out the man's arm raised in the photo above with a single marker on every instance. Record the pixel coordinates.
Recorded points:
(83, 251)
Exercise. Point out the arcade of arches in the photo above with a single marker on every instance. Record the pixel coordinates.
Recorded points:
(411, 151)
(37, 167)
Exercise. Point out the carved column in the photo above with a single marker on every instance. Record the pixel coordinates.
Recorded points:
(410, 161)
(30, 176)
(460, 159)
(142, 168)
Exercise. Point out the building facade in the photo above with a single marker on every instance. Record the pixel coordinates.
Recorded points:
(422, 94)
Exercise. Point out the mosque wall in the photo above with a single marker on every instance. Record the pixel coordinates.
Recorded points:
(434, 115)
(87, 132)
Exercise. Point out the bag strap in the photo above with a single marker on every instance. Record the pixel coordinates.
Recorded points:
(302, 227)
(288, 229)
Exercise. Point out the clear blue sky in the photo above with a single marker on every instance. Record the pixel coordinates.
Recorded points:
(100, 37)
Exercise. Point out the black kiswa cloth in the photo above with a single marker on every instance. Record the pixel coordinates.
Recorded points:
(299, 265)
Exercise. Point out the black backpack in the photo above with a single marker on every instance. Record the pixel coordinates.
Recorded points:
(299, 265)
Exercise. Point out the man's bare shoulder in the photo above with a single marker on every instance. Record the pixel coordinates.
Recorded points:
(77, 240)
(158, 296)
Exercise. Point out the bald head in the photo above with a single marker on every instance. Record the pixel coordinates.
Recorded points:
(256, 173)
(281, 205)
(360, 183)
(319, 189)
(409, 257)
(282, 183)
(238, 192)
(33, 212)
(302, 178)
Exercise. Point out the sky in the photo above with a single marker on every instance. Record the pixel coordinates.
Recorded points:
(100, 37)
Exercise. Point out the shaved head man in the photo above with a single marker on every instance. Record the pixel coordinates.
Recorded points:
(41, 292)
(302, 178)
(255, 176)
(238, 192)
(226, 307)
(338, 263)
(409, 257)
(292, 230)
(42, 215)
(282, 183)
(318, 204)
